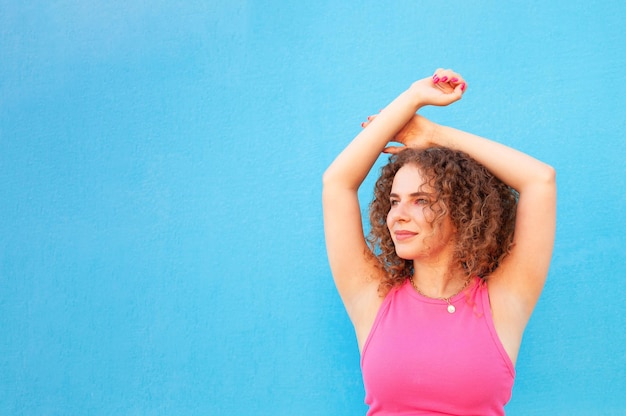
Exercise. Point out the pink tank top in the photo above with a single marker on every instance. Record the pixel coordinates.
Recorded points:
(419, 359)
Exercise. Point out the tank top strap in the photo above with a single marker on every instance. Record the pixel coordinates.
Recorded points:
(482, 299)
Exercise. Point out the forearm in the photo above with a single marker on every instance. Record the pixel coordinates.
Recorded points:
(511, 166)
(353, 164)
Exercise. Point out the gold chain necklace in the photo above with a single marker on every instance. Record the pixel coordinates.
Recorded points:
(451, 308)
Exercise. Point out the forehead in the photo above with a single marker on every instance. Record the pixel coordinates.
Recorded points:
(409, 179)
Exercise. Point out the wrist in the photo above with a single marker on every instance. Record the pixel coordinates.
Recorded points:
(440, 136)
(415, 96)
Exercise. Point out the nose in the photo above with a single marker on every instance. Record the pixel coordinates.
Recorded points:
(398, 212)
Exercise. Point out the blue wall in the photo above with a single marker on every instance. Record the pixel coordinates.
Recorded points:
(161, 246)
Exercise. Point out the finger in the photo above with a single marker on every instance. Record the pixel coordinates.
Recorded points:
(447, 75)
(438, 75)
(456, 79)
(451, 84)
(393, 150)
(368, 121)
(451, 95)
(443, 75)
(457, 93)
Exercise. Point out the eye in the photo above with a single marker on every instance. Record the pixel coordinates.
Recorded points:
(393, 202)
(422, 201)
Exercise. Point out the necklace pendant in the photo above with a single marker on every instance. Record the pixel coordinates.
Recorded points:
(451, 309)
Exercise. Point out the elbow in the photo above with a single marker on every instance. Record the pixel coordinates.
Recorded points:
(333, 183)
(541, 174)
(326, 177)
(327, 180)
(331, 178)
(542, 179)
(548, 175)
(546, 180)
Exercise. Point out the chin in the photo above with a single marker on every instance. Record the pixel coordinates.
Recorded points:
(412, 254)
(406, 256)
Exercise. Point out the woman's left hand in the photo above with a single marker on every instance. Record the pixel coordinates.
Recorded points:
(443, 88)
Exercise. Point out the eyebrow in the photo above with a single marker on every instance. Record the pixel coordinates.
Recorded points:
(412, 195)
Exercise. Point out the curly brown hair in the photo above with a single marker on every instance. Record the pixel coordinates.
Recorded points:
(481, 207)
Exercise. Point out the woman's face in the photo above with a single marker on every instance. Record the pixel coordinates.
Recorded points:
(410, 218)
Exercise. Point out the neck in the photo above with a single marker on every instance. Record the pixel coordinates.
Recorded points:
(437, 281)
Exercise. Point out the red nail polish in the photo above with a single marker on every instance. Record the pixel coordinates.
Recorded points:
(454, 79)
(362, 124)
(435, 79)
(444, 79)
(463, 87)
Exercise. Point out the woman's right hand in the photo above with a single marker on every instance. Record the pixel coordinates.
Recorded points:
(418, 132)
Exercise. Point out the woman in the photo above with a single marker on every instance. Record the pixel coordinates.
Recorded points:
(460, 246)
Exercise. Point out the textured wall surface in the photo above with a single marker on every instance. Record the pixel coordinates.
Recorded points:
(161, 245)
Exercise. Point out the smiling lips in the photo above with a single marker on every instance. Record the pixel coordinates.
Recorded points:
(402, 235)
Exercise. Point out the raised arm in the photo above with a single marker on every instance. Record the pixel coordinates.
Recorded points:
(519, 280)
(353, 266)
(523, 273)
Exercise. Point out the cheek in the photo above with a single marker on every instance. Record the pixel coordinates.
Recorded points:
(447, 230)
(428, 214)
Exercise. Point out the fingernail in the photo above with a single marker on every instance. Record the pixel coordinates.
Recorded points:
(369, 118)
(454, 79)
(444, 79)
(463, 87)
(362, 124)
(435, 79)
